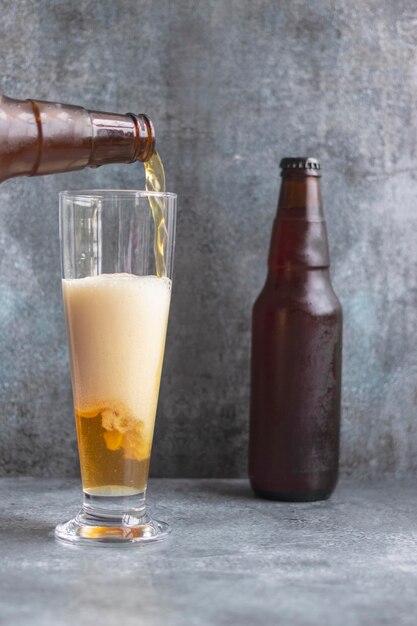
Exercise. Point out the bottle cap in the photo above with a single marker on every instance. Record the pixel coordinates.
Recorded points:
(300, 163)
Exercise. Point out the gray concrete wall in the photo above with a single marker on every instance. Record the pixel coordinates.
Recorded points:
(232, 85)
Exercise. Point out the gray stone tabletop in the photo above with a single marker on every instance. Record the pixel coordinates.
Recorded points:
(231, 559)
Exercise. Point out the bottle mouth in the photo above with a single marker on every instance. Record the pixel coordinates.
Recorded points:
(145, 137)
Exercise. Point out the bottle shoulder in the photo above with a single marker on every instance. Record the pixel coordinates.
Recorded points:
(312, 293)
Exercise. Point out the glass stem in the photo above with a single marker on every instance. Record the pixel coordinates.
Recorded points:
(114, 509)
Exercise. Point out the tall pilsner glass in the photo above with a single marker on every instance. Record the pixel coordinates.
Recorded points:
(117, 256)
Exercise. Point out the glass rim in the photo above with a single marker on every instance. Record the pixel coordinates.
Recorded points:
(91, 193)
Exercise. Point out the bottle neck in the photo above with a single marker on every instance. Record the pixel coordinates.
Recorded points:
(299, 234)
(120, 138)
(300, 197)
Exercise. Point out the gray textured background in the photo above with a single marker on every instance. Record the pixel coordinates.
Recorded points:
(232, 86)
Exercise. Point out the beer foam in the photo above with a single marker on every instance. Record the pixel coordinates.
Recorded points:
(116, 328)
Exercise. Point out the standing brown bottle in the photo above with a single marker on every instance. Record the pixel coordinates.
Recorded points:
(39, 138)
(296, 351)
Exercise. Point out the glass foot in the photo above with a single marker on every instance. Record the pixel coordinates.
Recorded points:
(125, 531)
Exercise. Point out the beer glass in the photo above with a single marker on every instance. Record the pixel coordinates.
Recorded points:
(117, 251)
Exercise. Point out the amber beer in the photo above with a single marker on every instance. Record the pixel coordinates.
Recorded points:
(296, 351)
(116, 325)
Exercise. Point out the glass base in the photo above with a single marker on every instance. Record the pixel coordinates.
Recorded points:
(107, 521)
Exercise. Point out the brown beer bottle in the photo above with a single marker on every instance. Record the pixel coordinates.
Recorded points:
(39, 138)
(296, 351)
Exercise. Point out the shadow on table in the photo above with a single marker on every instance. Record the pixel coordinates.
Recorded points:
(236, 489)
(24, 529)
